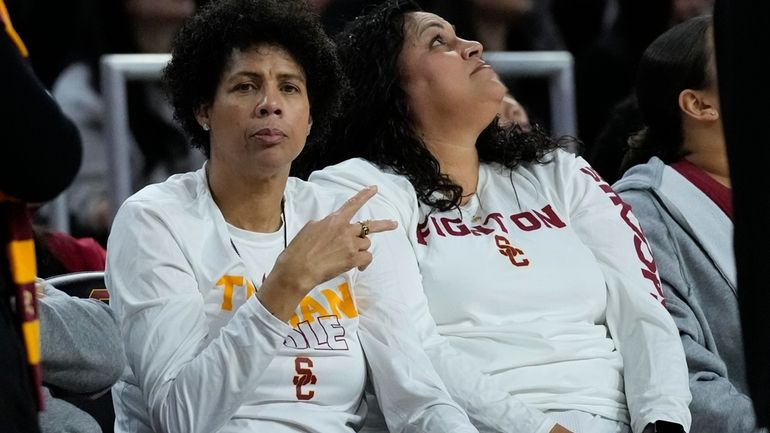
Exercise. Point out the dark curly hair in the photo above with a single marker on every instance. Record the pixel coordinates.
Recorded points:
(376, 123)
(204, 45)
(677, 60)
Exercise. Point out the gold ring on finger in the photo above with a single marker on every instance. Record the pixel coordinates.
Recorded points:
(364, 230)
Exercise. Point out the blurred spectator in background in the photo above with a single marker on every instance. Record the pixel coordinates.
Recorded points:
(140, 26)
(512, 112)
(581, 22)
(56, 32)
(58, 253)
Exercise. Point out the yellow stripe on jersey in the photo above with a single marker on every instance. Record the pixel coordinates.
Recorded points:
(21, 255)
(31, 332)
(11, 31)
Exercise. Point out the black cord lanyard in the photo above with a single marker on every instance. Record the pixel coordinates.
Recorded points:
(283, 222)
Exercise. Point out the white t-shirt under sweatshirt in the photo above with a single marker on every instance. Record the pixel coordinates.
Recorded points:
(204, 355)
(546, 295)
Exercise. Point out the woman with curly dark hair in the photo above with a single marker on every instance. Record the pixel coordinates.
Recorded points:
(541, 286)
(247, 299)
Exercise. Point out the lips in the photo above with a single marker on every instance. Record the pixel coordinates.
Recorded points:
(269, 135)
(482, 65)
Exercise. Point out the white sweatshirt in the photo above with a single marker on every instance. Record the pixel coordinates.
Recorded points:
(203, 353)
(545, 293)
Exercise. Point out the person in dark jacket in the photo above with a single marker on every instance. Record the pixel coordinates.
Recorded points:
(41, 154)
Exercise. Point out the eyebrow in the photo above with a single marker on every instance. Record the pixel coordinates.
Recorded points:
(281, 76)
(431, 24)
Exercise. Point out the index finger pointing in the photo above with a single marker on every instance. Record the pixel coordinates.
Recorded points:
(354, 204)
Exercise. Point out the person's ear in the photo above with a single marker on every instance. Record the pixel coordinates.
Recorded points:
(698, 105)
(309, 124)
(202, 116)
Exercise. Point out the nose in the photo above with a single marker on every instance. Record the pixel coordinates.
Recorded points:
(471, 49)
(269, 104)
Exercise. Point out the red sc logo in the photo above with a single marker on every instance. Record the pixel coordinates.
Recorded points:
(304, 377)
(508, 250)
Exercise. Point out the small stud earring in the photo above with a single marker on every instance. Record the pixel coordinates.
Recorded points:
(205, 126)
